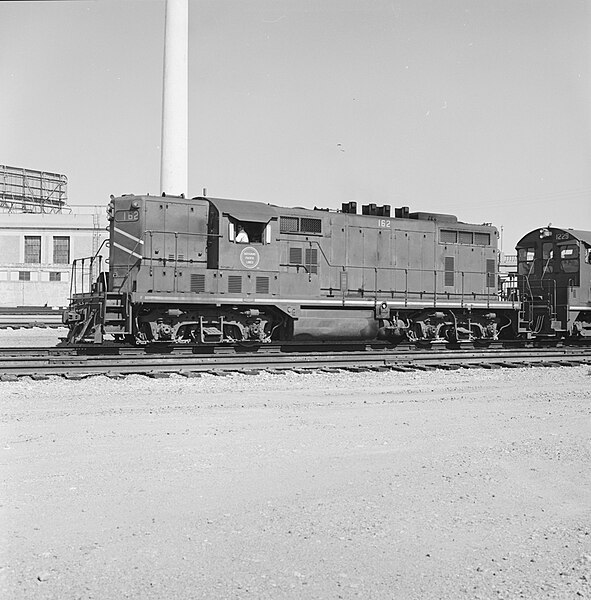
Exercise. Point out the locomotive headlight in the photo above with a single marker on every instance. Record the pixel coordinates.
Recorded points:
(135, 204)
(384, 305)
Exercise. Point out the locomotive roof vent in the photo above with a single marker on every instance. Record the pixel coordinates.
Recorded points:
(425, 216)
(349, 207)
(375, 210)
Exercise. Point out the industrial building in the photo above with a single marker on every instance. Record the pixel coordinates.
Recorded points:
(40, 236)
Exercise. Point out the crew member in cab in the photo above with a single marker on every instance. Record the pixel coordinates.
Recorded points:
(241, 236)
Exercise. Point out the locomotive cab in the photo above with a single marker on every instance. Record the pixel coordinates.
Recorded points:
(554, 282)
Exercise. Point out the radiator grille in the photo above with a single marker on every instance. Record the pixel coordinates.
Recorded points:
(289, 224)
(297, 225)
(235, 284)
(310, 225)
(262, 285)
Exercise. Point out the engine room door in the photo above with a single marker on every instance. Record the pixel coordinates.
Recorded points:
(175, 241)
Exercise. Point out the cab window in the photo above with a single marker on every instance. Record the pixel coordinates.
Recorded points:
(547, 256)
(569, 258)
(525, 260)
(249, 232)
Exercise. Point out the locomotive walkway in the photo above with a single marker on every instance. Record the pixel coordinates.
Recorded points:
(40, 363)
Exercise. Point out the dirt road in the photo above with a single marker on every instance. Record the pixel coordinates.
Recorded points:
(461, 485)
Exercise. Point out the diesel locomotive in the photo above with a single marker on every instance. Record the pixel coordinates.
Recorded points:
(208, 271)
(554, 282)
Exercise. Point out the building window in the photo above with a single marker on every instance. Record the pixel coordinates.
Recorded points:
(24, 275)
(32, 249)
(55, 276)
(61, 250)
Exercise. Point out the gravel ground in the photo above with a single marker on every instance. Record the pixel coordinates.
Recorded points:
(35, 337)
(447, 485)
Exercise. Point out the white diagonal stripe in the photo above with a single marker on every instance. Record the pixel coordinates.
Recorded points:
(127, 250)
(131, 237)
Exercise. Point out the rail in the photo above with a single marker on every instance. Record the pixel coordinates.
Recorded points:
(40, 363)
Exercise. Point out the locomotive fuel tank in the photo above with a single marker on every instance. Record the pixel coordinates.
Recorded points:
(335, 325)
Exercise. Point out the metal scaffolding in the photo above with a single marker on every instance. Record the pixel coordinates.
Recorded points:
(31, 191)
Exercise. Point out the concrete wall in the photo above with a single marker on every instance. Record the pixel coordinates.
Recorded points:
(82, 229)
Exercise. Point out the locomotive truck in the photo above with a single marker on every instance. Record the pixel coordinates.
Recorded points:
(207, 271)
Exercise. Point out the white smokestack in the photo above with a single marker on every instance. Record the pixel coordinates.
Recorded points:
(175, 100)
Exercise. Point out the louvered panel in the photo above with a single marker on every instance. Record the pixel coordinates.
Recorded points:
(312, 260)
(197, 283)
(490, 273)
(447, 236)
(449, 271)
(262, 285)
(235, 284)
(295, 256)
(482, 239)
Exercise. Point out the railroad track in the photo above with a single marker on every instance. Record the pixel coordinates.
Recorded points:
(40, 363)
(27, 317)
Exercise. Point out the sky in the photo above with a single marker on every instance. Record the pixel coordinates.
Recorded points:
(479, 108)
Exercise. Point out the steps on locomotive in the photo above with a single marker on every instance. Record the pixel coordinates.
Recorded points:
(114, 318)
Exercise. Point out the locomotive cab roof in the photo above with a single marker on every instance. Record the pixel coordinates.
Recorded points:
(550, 232)
(244, 210)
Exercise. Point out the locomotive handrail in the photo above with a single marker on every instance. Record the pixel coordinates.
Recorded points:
(378, 272)
(549, 291)
(75, 267)
(489, 276)
(78, 267)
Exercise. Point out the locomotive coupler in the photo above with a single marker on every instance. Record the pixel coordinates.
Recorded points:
(71, 316)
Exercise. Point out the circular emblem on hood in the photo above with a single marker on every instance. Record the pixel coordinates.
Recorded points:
(249, 257)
